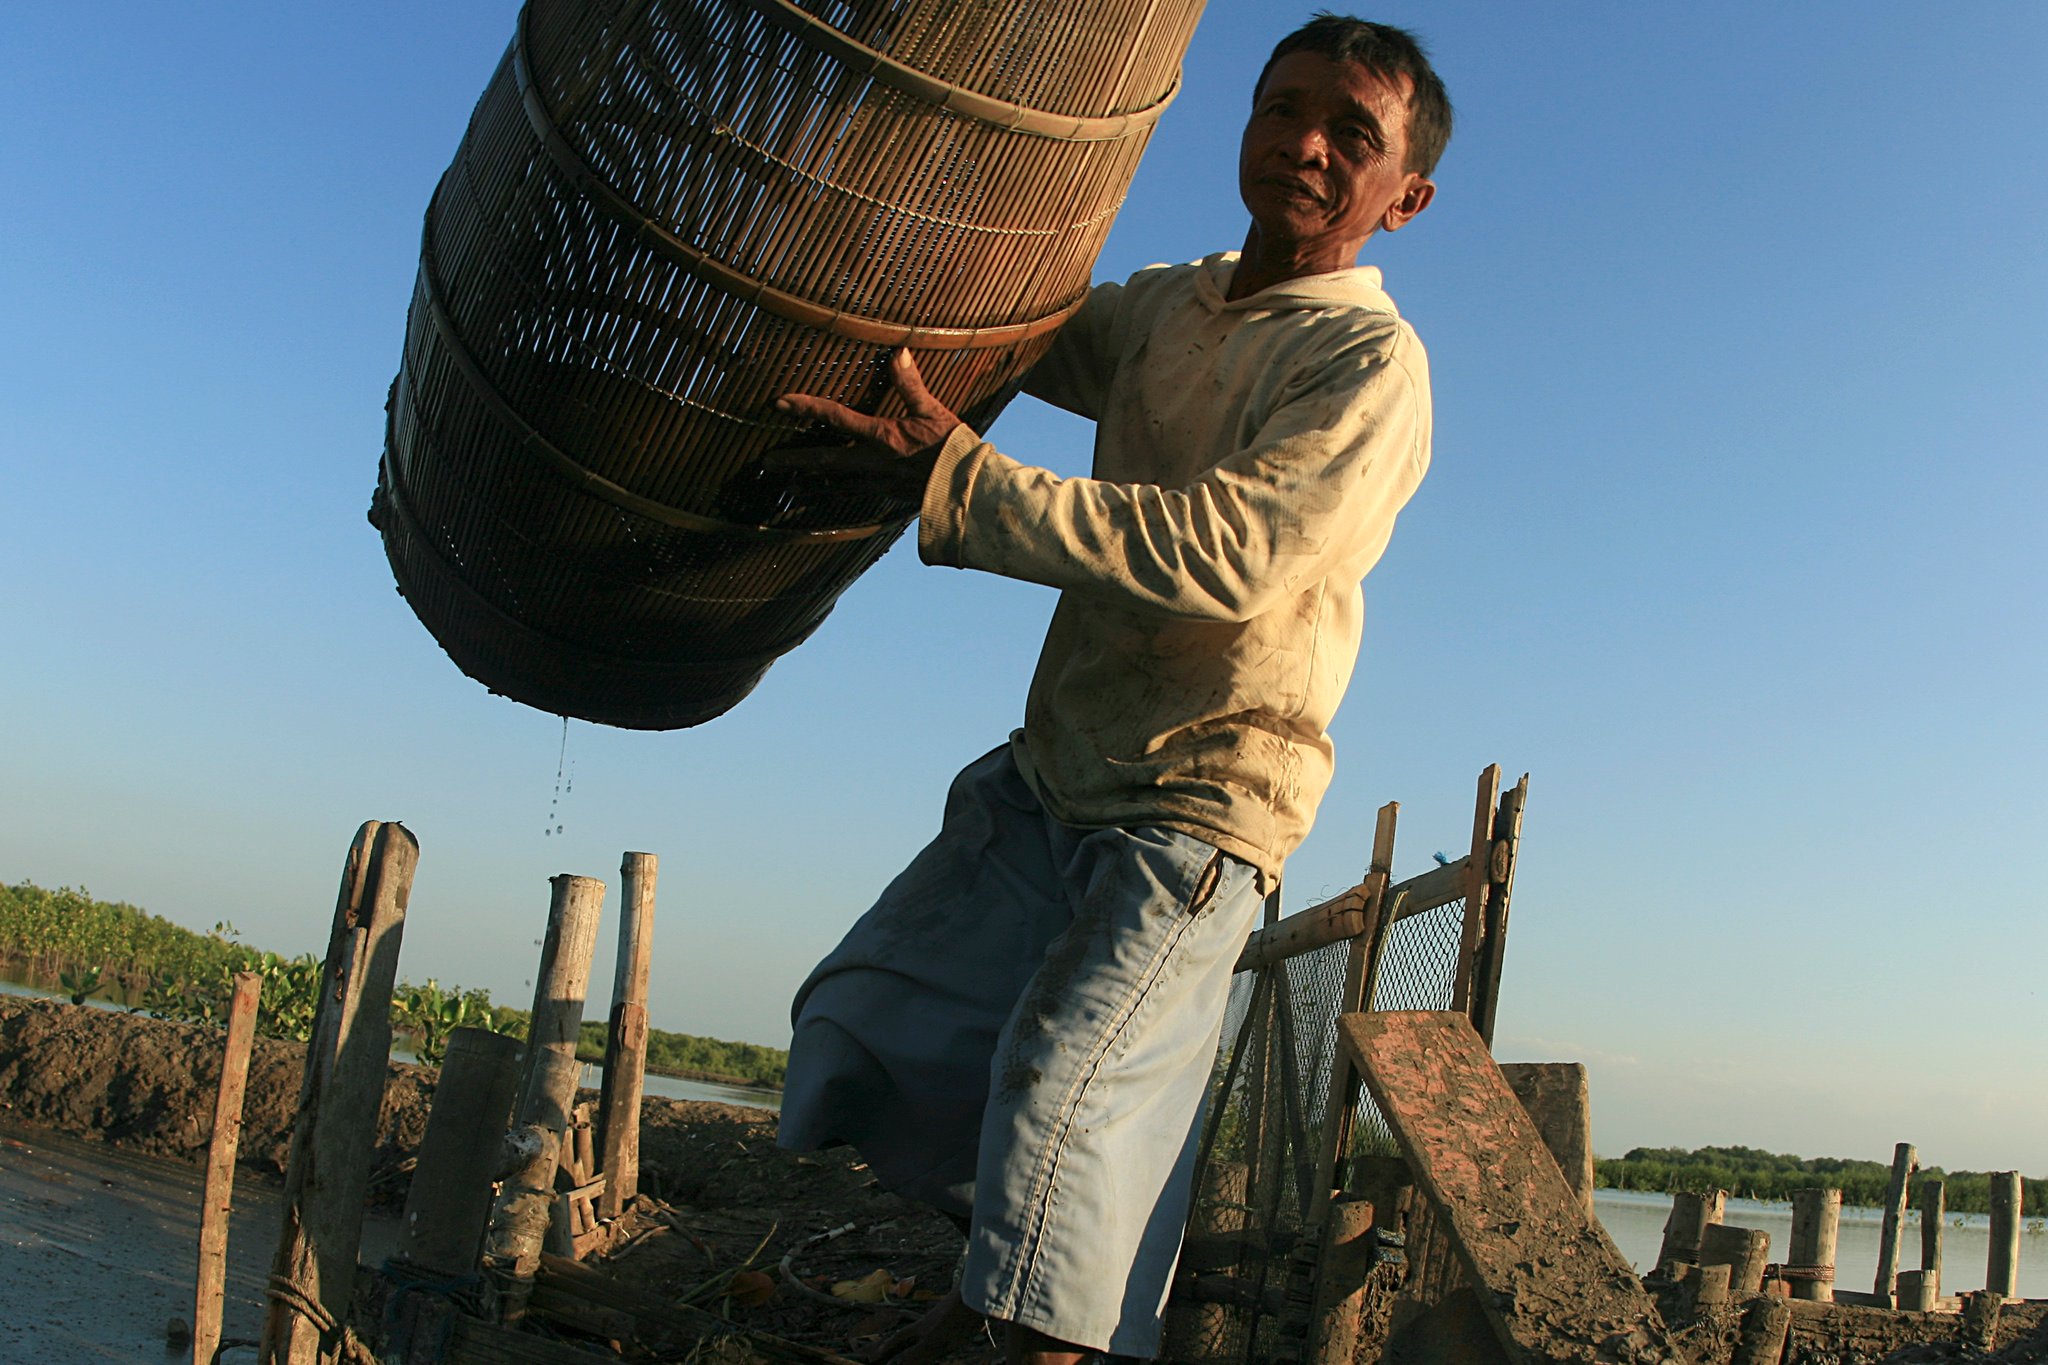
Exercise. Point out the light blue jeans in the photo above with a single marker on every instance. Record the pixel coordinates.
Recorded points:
(1020, 1033)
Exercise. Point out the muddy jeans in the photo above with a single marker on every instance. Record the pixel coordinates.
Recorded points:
(1021, 1031)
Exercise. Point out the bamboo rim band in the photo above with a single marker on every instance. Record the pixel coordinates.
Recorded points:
(958, 99)
(740, 285)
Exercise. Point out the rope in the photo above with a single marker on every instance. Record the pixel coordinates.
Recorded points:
(348, 1349)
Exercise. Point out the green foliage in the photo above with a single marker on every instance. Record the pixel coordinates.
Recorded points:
(1750, 1173)
(190, 976)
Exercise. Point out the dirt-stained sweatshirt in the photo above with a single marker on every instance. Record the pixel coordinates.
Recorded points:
(1250, 457)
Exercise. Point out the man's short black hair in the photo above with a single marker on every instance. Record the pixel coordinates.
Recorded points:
(1389, 52)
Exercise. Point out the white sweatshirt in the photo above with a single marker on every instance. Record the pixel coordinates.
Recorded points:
(1250, 457)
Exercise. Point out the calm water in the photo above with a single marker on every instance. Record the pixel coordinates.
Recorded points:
(1636, 1223)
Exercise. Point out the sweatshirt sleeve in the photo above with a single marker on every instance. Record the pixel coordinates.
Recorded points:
(1076, 371)
(1317, 488)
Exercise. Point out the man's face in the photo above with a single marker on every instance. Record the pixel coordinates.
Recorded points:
(1322, 164)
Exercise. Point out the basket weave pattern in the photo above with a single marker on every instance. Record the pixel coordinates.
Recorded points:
(667, 213)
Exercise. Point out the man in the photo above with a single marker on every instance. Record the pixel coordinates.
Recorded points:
(1020, 1032)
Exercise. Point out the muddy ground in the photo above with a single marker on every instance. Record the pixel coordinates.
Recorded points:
(723, 1198)
(722, 1205)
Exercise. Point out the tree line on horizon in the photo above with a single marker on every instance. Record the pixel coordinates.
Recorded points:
(1751, 1173)
(92, 946)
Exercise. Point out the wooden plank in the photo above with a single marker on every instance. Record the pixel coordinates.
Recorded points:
(1305, 931)
(1440, 885)
(1550, 1281)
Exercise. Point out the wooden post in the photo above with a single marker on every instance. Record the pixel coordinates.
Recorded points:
(1344, 1262)
(1933, 1213)
(1200, 1332)
(1359, 964)
(1816, 1222)
(450, 1198)
(1904, 1162)
(1981, 1312)
(218, 1197)
(328, 1172)
(519, 1220)
(1917, 1291)
(2002, 1267)
(1478, 884)
(1493, 939)
(1765, 1325)
(1691, 1214)
(1745, 1251)
(1557, 1099)
(625, 1047)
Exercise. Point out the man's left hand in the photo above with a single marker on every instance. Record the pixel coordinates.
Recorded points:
(895, 454)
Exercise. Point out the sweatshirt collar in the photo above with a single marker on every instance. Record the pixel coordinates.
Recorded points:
(1356, 287)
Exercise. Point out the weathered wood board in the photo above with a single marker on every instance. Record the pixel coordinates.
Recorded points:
(1550, 1281)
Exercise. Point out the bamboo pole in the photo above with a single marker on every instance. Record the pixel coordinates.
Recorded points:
(2002, 1266)
(1933, 1214)
(450, 1198)
(519, 1220)
(625, 1051)
(1816, 1222)
(218, 1197)
(1905, 1161)
(327, 1174)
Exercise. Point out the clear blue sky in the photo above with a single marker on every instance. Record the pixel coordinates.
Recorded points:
(1738, 318)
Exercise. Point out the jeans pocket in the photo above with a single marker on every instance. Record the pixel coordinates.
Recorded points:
(1206, 884)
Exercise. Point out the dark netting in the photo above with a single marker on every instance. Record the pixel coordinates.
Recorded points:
(1242, 1294)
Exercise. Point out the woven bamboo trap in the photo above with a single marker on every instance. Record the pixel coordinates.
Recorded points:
(664, 215)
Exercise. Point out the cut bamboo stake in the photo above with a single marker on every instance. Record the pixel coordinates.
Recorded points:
(1933, 1213)
(218, 1198)
(1691, 1215)
(1816, 1222)
(519, 1221)
(328, 1172)
(625, 1052)
(2002, 1266)
(450, 1197)
(1745, 1251)
(1904, 1162)
(1917, 1291)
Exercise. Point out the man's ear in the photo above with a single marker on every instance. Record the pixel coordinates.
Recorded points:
(1413, 200)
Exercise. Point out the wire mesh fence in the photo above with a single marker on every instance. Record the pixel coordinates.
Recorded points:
(1243, 1295)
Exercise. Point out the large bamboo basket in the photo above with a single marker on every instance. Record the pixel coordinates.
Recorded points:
(664, 215)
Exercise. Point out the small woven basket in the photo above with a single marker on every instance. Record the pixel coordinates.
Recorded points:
(664, 215)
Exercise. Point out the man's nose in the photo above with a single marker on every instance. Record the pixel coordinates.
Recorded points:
(1308, 146)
